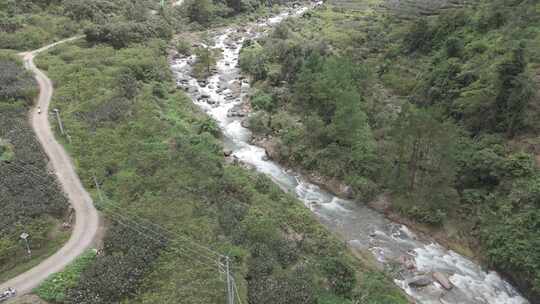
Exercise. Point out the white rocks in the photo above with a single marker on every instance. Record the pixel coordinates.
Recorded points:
(420, 281)
(442, 279)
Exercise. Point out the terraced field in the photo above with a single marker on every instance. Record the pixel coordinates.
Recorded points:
(404, 8)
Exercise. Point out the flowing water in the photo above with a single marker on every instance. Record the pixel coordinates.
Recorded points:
(221, 95)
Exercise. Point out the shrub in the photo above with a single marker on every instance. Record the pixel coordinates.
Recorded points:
(263, 101)
(183, 47)
(340, 276)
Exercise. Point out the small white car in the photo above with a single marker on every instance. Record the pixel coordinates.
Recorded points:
(8, 294)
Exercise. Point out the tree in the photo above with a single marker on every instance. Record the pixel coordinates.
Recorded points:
(423, 164)
(198, 11)
(515, 92)
(253, 60)
(419, 37)
(205, 61)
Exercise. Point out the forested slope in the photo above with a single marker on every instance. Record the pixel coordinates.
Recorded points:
(436, 110)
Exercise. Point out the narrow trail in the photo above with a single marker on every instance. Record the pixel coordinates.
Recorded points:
(87, 223)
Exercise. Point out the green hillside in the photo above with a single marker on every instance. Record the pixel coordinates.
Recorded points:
(434, 104)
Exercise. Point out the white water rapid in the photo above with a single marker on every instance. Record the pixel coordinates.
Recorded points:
(221, 95)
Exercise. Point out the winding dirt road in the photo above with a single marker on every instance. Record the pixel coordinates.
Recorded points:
(87, 223)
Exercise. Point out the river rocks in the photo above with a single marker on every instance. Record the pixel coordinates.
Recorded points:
(227, 152)
(236, 111)
(346, 191)
(193, 90)
(420, 281)
(270, 147)
(245, 123)
(333, 185)
(407, 262)
(182, 87)
(236, 87)
(442, 279)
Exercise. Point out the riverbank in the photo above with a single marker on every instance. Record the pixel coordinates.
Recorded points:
(382, 204)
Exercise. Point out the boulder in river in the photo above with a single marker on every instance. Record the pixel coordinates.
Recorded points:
(346, 191)
(442, 279)
(420, 281)
(407, 262)
(227, 152)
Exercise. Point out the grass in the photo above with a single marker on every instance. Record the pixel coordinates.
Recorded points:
(54, 288)
(21, 263)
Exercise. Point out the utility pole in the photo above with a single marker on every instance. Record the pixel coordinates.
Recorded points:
(25, 236)
(230, 291)
(59, 121)
(98, 189)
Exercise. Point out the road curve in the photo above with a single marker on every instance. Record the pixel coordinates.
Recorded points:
(87, 223)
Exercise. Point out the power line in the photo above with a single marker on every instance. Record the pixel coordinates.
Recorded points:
(178, 250)
(236, 291)
(112, 204)
(194, 251)
(194, 254)
(232, 290)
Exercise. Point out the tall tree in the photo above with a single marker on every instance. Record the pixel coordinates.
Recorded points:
(515, 92)
(423, 150)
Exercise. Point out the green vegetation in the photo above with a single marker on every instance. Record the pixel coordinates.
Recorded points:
(53, 289)
(40, 208)
(157, 158)
(30, 24)
(206, 12)
(439, 111)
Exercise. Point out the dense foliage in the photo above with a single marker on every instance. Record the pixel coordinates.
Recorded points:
(439, 111)
(204, 12)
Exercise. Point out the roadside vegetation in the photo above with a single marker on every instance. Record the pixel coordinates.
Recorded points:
(439, 112)
(157, 160)
(31, 200)
(53, 288)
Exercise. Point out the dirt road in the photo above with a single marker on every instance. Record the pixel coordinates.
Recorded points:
(85, 230)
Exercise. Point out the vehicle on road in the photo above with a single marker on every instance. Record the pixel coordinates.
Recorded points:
(8, 294)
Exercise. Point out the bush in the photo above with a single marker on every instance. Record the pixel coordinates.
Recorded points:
(454, 47)
(340, 276)
(263, 101)
(419, 37)
(183, 47)
(253, 60)
(15, 83)
(122, 34)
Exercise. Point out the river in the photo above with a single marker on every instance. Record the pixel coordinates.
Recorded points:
(221, 95)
